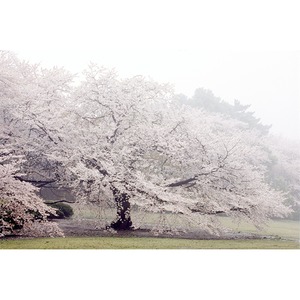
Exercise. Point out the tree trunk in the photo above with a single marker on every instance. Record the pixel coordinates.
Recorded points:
(123, 221)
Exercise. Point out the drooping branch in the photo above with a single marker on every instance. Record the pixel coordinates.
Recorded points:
(182, 182)
(242, 210)
(59, 201)
(38, 183)
(192, 179)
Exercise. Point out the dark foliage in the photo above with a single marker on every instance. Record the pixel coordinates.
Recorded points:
(62, 210)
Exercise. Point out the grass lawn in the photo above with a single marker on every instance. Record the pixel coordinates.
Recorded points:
(286, 229)
(143, 243)
(285, 235)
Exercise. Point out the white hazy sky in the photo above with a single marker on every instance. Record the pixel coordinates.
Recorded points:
(245, 50)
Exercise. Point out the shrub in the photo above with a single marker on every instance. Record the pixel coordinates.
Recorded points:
(62, 210)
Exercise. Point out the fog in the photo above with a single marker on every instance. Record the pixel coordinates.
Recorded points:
(234, 50)
(244, 50)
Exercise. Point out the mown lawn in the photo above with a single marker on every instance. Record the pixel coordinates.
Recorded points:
(284, 234)
(286, 229)
(143, 243)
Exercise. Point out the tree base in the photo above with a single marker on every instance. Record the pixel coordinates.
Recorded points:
(122, 225)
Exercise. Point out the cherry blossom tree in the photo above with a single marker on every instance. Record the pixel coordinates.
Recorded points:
(23, 131)
(33, 102)
(22, 211)
(137, 147)
(127, 143)
(284, 169)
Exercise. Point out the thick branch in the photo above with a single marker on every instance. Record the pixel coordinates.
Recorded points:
(182, 182)
(38, 183)
(59, 201)
(94, 164)
(239, 209)
(191, 179)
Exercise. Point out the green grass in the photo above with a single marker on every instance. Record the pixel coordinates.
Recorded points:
(285, 235)
(286, 229)
(143, 243)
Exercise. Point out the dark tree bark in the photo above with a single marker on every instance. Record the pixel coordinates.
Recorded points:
(123, 221)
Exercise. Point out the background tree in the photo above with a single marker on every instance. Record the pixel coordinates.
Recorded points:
(284, 170)
(205, 99)
(281, 173)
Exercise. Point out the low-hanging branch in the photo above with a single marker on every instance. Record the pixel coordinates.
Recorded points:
(38, 183)
(243, 210)
(191, 179)
(182, 182)
(59, 201)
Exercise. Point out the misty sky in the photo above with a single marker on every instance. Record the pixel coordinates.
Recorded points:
(238, 49)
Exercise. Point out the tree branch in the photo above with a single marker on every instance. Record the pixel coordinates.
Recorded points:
(182, 182)
(191, 179)
(59, 201)
(38, 183)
